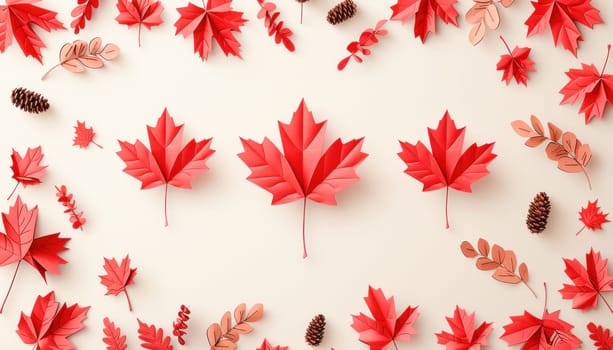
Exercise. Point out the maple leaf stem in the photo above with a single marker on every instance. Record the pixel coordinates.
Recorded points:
(94, 142)
(166, 205)
(302, 7)
(125, 291)
(13, 191)
(139, 26)
(395, 345)
(546, 297)
(606, 302)
(578, 232)
(304, 249)
(604, 66)
(447, 208)
(506, 45)
(10, 287)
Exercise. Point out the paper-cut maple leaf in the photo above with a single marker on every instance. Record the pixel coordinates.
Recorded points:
(548, 332)
(516, 64)
(27, 169)
(17, 19)
(425, 13)
(166, 163)
(216, 21)
(139, 12)
(592, 217)
(267, 346)
(561, 16)
(589, 281)
(18, 243)
(464, 335)
(84, 135)
(446, 166)
(602, 338)
(82, 13)
(113, 338)
(49, 325)
(153, 338)
(118, 277)
(384, 328)
(304, 170)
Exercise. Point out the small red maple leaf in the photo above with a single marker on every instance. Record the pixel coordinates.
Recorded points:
(82, 13)
(113, 338)
(84, 135)
(446, 166)
(425, 13)
(140, 12)
(166, 163)
(464, 335)
(592, 217)
(602, 338)
(267, 346)
(304, 170)
(118, 277)
(153, 338)
(27, 169)
(217, 20)
(516, 64)
(548, 332)
(384, 328)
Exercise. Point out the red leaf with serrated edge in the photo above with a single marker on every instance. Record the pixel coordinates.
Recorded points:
(516, 64)
(267, 346)
(304, 170)
(384, 327)
(534, 333)
(464, 335)
(166, 163)
(592, 217)
(27, 169)
(49, 324)
(113, 339)
(561, 16)
(140, 12)
(588, 281)
(84, 135)
(82, 13)
(446, 165)
(603, 340)
(153, 338)
(44, 254)
(118, 277)
(425, 13)
(216, 21)
(17, 19)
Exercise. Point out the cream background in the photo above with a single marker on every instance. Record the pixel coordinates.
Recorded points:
(226, 244)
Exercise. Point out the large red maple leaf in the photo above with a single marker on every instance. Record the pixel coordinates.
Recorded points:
(425, 13)
(546, 333)
(118, 277)
(18, 243)
(561, 16)
(446, 166)
(166, 163)
(217, 20)
(49, 325)
(304, 170)
(464, 335)
(384, 328)
(139, 12)
(17, 18)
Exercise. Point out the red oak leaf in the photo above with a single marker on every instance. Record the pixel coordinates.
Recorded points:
(217, 20)
(561, 16)
(548, 333)
(152, 337)
(166, 163)
(602, 338)
(49, 325)
(139, 12)
(304, 170)
(18, 243)
(596, 89)
(118, 277)
(27, 169)
(446, 166)
(17, 19)
(592, 217)
(425, 13)
(588, 281)
(465, 336)
(267, 346)
(84, 135)
(82, 13)
(113, 339)
(516, 64)
(384, 328)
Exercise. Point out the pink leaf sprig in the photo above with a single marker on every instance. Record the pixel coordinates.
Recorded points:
(282, 34)
(179, 326)
(76, 217)
(368, 37)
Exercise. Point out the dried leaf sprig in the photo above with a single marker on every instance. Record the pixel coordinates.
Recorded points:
(368, 37)
(482, 14)
(76, 217)
(82, 13)
(179, 326)
(282, 34)
(503, 262)
(224, 335)
(78, 55)
(564, 148)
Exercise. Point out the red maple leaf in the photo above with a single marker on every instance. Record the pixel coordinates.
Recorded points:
(84, 135)
(49, 325)
(113, 338)
(425, 13)
(596, 89)
(446, 166)
(561, 16)
(27, 169)
(384, 328)
(166, 163)
(18, 243)
(602, 338)
(139, 12)
(152, 337)
(217, 20)
(118, 277)
(588, 281)
(592, 217)
(17, 19)
(267, 346)
(516, 64)
(82, 13)
(304, 170)
(465, 336)
(548, 333)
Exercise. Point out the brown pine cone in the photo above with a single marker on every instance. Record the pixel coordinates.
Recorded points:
(538, 213)
(342, 12)
(301, 1)
(315, 331)
(29, 101)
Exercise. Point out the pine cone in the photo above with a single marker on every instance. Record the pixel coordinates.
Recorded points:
(538, 213)
(342, 12)
(301, 1)
(315, 331)
(29, 101)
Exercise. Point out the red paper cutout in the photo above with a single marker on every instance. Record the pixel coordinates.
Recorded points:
(118, 277)
(282, 34)
(516, 64)
(27, 169)
(179, 326)
(367, 38)
(446, 166)
(602, 338)
(267, 346)
(139, 12)
(113, 337)
(592, 217)
(153, 338)
(82, 13)
(425, 13)
(482, 14)
(84, 135)
(464, 335)
(304, 170)
(76, 218)
(224, 335)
